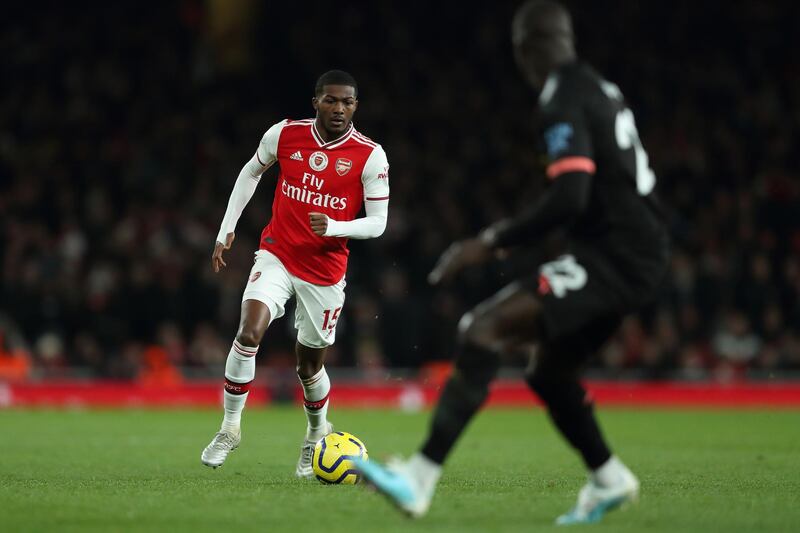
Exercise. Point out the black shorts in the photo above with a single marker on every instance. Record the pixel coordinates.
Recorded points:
(585, 296)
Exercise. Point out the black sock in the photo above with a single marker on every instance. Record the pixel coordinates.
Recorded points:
(465, 392)
(573, 415)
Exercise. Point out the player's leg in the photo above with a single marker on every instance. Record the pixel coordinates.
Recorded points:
(486, 333)
(264, 298)
(316, 388)
(240, 367)
(555, 379)
(581, 309)
(493, 328)
(318, 310)
(240, 370)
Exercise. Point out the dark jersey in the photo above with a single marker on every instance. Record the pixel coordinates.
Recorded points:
(591, 141)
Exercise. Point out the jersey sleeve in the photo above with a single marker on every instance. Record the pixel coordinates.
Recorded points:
(375, 180)
(247, 181)
(375, 177)
(565, 129)
(267, 152)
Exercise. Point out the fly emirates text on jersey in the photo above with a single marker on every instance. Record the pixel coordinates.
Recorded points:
(312, 195)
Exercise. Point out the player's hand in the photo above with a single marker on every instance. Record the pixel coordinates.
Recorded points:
(458, 256)
(216, 258)
(319, 223)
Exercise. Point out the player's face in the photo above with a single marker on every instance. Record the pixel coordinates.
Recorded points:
(529, 51)
(525, 65)
(541, 43)
(335, 107)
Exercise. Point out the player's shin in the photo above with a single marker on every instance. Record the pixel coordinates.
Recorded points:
(465, 392)
(240, 370)
(571, 410)
(316, 390)
(410, 484)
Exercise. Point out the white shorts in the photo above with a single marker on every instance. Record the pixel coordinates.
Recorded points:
(318, 306)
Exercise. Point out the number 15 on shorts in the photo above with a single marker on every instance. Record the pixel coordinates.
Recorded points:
(329, 318)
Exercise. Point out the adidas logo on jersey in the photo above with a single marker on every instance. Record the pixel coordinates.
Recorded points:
(297, 156)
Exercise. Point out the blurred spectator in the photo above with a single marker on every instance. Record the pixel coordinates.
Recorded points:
(157, 369)
(735, 346)
(15, 362)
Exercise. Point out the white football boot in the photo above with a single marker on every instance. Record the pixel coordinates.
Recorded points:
(223, 443)
(595, 500)
(400, 484)
(304, 467)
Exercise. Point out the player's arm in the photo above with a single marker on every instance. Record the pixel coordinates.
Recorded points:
(571, 169)
(563, 202)
(243, 190)
(375, 180)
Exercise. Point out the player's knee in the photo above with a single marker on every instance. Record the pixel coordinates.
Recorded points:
(249, 336)
(307, 369)
(465, 324)
(476, 365)
(476, 329)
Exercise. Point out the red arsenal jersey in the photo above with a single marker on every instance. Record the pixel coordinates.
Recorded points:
(333, 178)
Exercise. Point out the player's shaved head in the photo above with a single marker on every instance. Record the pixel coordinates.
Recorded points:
(335, 77)
(541, 33)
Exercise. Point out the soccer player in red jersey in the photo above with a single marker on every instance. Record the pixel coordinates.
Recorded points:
(327, 171)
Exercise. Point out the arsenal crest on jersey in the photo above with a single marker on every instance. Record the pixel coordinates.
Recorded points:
(318, 161)
(343, 166)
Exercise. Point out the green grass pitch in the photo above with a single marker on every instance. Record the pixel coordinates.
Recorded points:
(140, 471)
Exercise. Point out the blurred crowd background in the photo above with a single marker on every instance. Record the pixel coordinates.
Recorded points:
(124, 126)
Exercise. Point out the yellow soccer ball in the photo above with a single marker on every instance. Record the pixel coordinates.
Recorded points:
(332, 458)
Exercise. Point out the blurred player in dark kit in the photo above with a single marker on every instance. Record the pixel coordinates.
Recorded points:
(602, 191)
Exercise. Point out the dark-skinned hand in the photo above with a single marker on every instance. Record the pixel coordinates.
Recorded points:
(458, 256)
(216, 258)
(319, 223)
